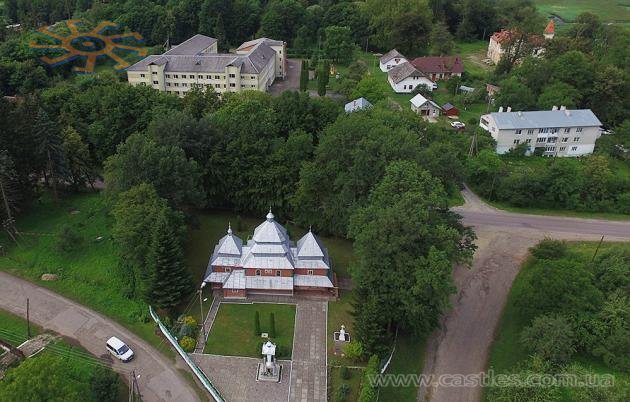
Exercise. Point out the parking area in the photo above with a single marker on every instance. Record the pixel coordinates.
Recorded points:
(292, 80)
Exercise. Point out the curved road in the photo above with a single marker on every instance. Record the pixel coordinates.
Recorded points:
(158, 377)
(462, 343)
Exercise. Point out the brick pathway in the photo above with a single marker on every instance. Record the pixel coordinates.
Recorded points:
(309, 379)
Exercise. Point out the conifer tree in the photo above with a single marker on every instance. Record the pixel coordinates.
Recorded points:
(272, 325)
(304, 76)
(257, 323)
(169, 280)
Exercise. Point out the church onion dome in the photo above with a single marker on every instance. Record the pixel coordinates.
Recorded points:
(310, 247)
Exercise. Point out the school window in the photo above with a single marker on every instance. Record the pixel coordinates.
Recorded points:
(567, 130)
(576, 139)
(142, 75)
(232, 75)
(268, 271)
(184, 84)
(183, 75)
(518, 131)
(579, 129)
(168, 84)
(217, 85)
(530, 131)
(155, 82)
(528, 141)
(552, 139)
(176, 76)
(177, 84)
(541, 140)
(573, 148)
(208, 77)
(516, 142)
(168, 76)
(216, 77)
(232, 85)
(228, 269)
(554, 130)
(154, 72)
(562, 148)
(565, 139)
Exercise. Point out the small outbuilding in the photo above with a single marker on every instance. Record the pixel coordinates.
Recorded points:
(357, 104)
(450, 110)
(425, 107)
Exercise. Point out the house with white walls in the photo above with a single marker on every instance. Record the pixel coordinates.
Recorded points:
(404, 78)
(390, 60)
(556, 132)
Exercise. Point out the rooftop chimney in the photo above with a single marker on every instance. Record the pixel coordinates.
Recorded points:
(501, 109)
(554, 107)
(509, 109)
(563, 107)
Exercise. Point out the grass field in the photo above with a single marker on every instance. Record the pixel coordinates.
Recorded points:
(340, 313)
(607, 10)
(13, 328)
(408, 359)
(89, 275)
(506, 351)
(232, 333)
(354, 382)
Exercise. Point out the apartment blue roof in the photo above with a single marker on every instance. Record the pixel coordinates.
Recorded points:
(545, 118)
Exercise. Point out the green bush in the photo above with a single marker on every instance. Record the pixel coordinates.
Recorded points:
(549, 249)
(104, 385)
(552, 338)
(257, 324)
(344, 373)
(188, 344)
(342, 392)
(368, 392)
(353, 350)
(68, 239)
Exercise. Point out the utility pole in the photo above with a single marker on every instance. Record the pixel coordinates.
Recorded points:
(28, 320)
(597, 249)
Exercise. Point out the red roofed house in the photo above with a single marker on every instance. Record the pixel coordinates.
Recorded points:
(499, 40)
(439, 67)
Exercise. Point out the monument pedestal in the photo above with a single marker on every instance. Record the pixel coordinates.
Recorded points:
(273, 375)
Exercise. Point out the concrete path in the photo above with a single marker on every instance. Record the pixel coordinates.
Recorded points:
(158, 377)
(462, 343)
(309, 374)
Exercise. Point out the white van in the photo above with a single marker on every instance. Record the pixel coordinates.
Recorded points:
(118, 348)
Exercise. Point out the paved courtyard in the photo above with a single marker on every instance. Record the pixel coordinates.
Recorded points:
(304, 378)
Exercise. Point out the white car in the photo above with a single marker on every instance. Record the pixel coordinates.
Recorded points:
(458, 125)
(434, 86)
(118, 348)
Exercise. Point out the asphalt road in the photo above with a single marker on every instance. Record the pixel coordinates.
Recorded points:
(547, 224)
(157, 376)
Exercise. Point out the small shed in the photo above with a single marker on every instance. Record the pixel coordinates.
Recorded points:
(450, 110)
(424, 106)
(468, 90)
(357, 104)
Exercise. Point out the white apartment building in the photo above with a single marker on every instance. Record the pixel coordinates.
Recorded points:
(196, 62)
(560, 132)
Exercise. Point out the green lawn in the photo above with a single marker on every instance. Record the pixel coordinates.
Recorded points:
(507, 351)
(13, 328)
(607, 10)
(408, 359)
(232, 333)
(340, 313)
(335, 382)
(89, 275)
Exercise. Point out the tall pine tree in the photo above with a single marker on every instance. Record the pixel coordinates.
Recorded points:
(169, 280)
(50, 150)
(304, 75)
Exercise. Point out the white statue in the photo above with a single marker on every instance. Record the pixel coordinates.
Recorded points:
(269, 351)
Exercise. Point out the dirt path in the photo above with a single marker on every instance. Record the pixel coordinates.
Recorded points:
(158, 376)
(462, 344)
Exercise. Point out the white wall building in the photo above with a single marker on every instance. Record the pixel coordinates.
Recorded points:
(390, 60)
(196, 62)
(559, 132)
(425, 107)
(404, 78)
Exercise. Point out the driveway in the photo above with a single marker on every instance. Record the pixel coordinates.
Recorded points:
(291, 81)
(158, 377)
(462, 343)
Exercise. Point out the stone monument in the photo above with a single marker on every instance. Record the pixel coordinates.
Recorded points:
(269, 369)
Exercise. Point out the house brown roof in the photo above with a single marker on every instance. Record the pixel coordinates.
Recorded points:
(390, 55)
(439, 64)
